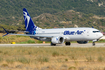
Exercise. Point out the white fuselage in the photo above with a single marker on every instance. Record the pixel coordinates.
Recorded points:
(71, 34)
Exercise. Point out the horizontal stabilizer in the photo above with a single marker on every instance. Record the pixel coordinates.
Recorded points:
(5, 31)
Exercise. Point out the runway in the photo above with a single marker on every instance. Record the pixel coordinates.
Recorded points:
(58, 45)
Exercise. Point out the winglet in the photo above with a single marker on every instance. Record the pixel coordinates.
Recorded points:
(5, 31)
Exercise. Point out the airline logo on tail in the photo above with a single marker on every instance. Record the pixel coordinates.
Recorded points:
(29, 24)
(26, 18)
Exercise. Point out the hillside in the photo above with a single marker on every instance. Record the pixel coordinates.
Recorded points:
(68, 19)
(55, 12)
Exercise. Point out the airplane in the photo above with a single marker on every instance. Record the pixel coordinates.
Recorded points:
(59, 35)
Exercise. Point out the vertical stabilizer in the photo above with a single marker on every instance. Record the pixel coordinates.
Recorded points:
(29, 24)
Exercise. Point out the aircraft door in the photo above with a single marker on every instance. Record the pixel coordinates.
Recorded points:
(86, 33)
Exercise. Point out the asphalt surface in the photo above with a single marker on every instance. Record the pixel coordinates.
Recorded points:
(58, 45)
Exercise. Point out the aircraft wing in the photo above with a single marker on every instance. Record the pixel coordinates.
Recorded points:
(32, 35)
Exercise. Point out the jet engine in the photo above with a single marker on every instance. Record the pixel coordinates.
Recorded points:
(82, 42)
(57, 40)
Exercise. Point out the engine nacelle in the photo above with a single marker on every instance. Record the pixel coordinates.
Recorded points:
(82, 42)
(57, 40)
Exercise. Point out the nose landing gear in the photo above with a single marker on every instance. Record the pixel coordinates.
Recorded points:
(94, 42)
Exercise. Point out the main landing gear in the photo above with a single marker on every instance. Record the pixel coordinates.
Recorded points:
(67, 43)
(93, 43)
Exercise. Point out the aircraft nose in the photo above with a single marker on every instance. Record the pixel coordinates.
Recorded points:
(101, 35)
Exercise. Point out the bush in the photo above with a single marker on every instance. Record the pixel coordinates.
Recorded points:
(55, 54)
(10, 61)
(4, 65)
(66, 59)
(43, 59)
(89, 59)
(23, 60)
(100, 59)
(31, 41)
(1, 59)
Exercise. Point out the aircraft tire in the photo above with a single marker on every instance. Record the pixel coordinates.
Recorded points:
(67, 43)
(93, 43)
(53, 44)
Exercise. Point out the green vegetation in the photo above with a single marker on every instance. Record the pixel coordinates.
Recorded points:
(101, 41)
(90, 59)
(42, 59)
(66, 59)
(17, 39)
(23, 60)
(46, 6)
(29, 41)
(55, 54)
(4, 65)
(11, 16)
(100, 59)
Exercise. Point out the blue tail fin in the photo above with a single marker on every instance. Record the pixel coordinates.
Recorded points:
(29, 24)
(5, 31)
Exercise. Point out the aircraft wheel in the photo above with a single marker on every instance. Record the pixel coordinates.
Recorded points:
(67, 43)
(53, 44)
(93, 43)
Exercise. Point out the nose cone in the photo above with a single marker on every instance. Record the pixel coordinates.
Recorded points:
(101, 35)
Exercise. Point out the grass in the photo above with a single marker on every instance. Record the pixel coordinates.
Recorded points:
(53, 57)
(27, 42)
(4, 65)
(89, 59)
(100, 59)
(42, 59)
(17, 39)
(10, 60)
(23, 60)
(55, 53)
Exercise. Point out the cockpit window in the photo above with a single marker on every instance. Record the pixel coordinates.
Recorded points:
(96, 31)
